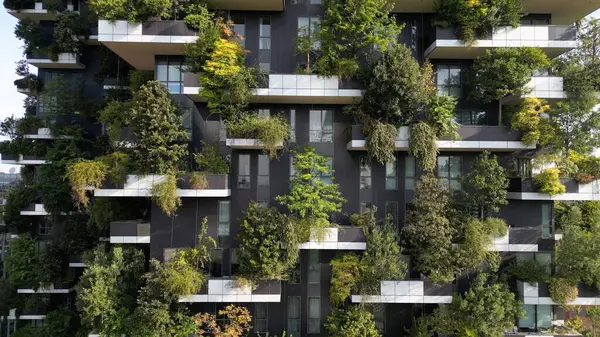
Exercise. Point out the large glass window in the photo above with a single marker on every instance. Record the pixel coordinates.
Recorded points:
(45, 226)
(261, 317)
(449, 170)
(263, 170)
(168, 72)
(224, 226)
(365, 207)
(365, 176)
(528, 321)
(544, 316)
(264, 44)
(546, 221)
(239, 27)
(410, 173)
(293, 315)
(243, 181)
(391, 182)
(309, 26)
(314, 315)
(327, 177)
(321, 126)
(293, 125)
(470, 117)
(216, 262)
(448, 80)
(524, 167)
(314, 267)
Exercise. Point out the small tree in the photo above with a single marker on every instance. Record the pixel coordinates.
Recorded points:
(210, 160)
(21, 257)
(238, 324)
(307, 44)
(157, 126)
(354, 321)
(488, 184)
(30, 32)
(574, 122)
(486, 309)
(525, 117)
(345, 274)
(574, 255)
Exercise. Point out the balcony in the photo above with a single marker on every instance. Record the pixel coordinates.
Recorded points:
(139, 43)
(38, 12)
(34, 210)
(76, 261)
(27, 314)
(227, 291)
(141, 186)
(129, 232)
(290, 88)
(526, 189)
(539, 294)
(549, 88)
(21, 159)
(343, 238)
(417, 291)
(244, 5)
(518, 239)
(40, 133)
(247, 144)
(46, 290)
(472, 138)
(65, 61)
(553, 40)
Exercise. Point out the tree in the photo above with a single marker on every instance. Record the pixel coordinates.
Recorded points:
(350, 27)
(488, 184)
(30, 32)
(132, 11)
(587, 52)
(504, 71)
(575, 253)
(345, 275)
(309, 196)
(157, 126)
(21, 257)
(574, 124)
(238, 322)
(525, 117)
(354, 321)
(486, 309)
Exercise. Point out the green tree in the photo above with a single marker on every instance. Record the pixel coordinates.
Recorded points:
(587, 53)
(575, 253)
(354, 321)
(22, 256)
(422, 145)
(486, 309)
(30, 32)
(574, 122)
(132, 11)
(210, 160)
(345, 274)
(487, 183)
(504, 71)
(157, 126)
(348, 28)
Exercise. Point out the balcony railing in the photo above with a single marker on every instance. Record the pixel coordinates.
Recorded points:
(526, 189)
(129, 232)
(141, 186)
(539, 293)
(41, 59)
(227, 290)
(343, 238)
(409, 291)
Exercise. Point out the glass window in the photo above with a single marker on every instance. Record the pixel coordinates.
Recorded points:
(263, 170)
(524, 167)
(168, 72)
(239, 27)
(470, 117)
(45, 226)
(326, 177)
(528, 321)
(449, 170)
(391, 211)
(309, 26)
(235, 262)
(391, 182)
(379, 317)
(410, 173)
(314, 315)
(263, 203)
(224, 209)
(546, 221)
(243, 171)
(314, 267)
(546, 260)
(261, 317)
(544, 316)
(216, 262)
(292, 168)
(293, 124)
(264, 44)
(293, 313)
(365, 176)
(321, 126)
(449, 80)
(295, 274)
(315, 2)
(264, 113)
(365, 207)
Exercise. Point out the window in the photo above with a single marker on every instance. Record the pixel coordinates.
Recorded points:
(292, 168)
(293, 124)
(534, 22)
(263, 170)
(546, 221)
(470, 117)
(314, 315)
(321, 126)
(263, 203)
(391, 182)
(243, 171)
(293, 313)
(449, 169)
(223, 226)
(168, 72)
(309, 26)
(391, 211)
(546, 260)
(410, 173)
(234, 262)
(365, 176)
(365, 207)
(295, 274)
(327, 177)
(261, 317)
(264, 113)
(315, 2)
(524, 167)
(448, 80)
(239, 27)
(528, 321)
(45, 227)
(264, 44)
(314, 267)
(379, 317)
(216, 262)
(544, 317)
(414, 37)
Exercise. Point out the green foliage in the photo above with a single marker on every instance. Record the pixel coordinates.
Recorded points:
(8, 294)
(505, 71)
(549, 182)
(575, 253)
(478, 17)
(422, 145)
(132, 11)
(525, 117)
(486, 309)
(62, 98)
(420, 328)
(114, 117)
(165, 195)
(117, 166)
(198, 181)
(138, 78)
(441, 116)
(22, 256)
(353, 321)
(345, 274)
(67, 25)
(271, 131)
(30, 33)
(309, 197)
(19, 4)
(157, 126)
(105, 210)
(380, 140)
(83, 173)
(50, 268)
(350, 27)
(18, 197)
(210, 160)
(307, 44)
(209, 31)
(183, 276)
(530, 271)
(562, 290)
(487, 183)
(573, 126)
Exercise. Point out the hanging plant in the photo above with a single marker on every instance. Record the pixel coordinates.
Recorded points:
(83, 174)
(165, 195)
(271, 131)
(380, 140)
(423, 145)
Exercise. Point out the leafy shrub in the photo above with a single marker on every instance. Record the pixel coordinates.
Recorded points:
(345, 271)
(30, 33)
(165, 195)
(66, 26)
(584, 178)
(210, 160)
(117, 166)
(505, 71)
(19, 4)
(549, 182)
(422, 145)
(132, 11)
(270, 131)
(237, 323)
(22, 256)
(525, 118)
(530, 271)
(353, 321)
(138, 78)
(588, 166)
(381, 140)
(441, 116)
(183, 277)
(562, 290)
(83, 173)
(198, 181)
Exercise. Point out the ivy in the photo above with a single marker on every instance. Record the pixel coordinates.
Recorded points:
(271, 131)
(441, 116)
(84, 173)
(422, 145)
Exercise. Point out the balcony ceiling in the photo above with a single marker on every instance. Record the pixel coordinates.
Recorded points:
(563, 12)
(141, 54)
(248, 5)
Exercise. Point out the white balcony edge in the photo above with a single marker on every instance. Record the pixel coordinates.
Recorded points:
(530, 296)
(45, 291)
(146, 193)
(22, 161)
(448, 145)
(130, 239)
(401, 299)
(65, 60)
(251, 144)
(543, 196)
(230, 298)
(77, 265)
(38, 211)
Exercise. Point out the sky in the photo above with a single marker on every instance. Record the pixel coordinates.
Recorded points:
(11, 102)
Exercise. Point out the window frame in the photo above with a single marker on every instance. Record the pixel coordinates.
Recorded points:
(366, 176)
(391, 176)
(452, 183)
(170, 62)
(323, 134)
(313, 319)
(446, 88)
(222, 223)
(245, 183)
(262, 178)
